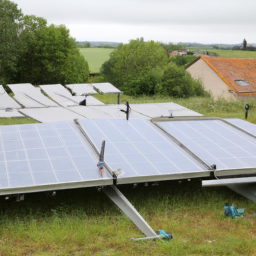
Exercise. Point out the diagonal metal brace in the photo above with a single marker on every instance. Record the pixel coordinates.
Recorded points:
(122, 202)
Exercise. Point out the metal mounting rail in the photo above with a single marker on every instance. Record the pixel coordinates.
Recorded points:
(122, 202)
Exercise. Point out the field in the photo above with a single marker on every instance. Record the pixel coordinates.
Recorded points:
(228, 53)
(95, 57)
(86, 222)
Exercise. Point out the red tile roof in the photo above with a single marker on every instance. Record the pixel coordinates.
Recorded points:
(230, 70)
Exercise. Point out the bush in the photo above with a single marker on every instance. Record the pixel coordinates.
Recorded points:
(177, 82)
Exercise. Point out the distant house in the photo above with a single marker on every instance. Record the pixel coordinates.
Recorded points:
(229, 78)
(178, 52)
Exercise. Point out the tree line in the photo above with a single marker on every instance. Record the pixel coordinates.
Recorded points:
(31, 51)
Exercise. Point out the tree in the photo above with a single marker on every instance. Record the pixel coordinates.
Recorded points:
(10, 45)
(51, 55)
(244, 44)
(136, 68)
(87, 45)
(177, 82)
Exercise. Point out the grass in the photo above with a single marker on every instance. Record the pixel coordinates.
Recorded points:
(228, 53)
(86, 222)
(11, 121)
(95, 57)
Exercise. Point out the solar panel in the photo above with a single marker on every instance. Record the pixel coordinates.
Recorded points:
(106, 88)
(6, 101)
(139, 150)
(54, 155)
(30, 96)
(246, 126)
(215, 142)
(154, 110)
(10, 114)
(63, 97)
(114, 111)
(80, 89)
(55, 114)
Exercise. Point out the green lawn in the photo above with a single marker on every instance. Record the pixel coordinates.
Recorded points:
(95, 57)
(86, 222)
(228, 53)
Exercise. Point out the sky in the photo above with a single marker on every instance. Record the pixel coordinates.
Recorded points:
(202, 21)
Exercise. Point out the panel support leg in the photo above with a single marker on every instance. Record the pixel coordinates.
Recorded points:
(248, 191)
(121, 201)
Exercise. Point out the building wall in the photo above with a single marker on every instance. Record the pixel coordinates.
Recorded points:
(211, 81)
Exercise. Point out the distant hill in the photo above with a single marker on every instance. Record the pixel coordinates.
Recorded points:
(188, 44)
(97, 44)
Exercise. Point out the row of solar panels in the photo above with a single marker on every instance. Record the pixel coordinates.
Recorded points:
(29, 96)
(62, 155)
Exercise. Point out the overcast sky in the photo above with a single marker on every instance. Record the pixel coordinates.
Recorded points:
(203, 21)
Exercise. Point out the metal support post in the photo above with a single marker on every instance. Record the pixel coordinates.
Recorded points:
(118, 98)
(121, 201)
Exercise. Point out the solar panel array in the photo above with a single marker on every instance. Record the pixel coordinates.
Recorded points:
(63, 97)
(246, 126)
(30, 97)
(137, 148)
(215, 142)
(44, 154)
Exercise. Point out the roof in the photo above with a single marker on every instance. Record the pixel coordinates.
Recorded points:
(232, 71)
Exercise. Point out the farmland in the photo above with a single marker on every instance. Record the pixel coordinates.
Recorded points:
(86, 222)
(95, 57)
(228, 53)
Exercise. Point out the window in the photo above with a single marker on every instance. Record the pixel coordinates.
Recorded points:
(242, 82)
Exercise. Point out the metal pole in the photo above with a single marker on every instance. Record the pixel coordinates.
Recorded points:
(118, 98)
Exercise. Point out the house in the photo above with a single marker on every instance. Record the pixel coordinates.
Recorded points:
(226, 77)
(179, 52)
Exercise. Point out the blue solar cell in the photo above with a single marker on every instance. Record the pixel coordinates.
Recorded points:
(78, 150)
(36, 154)
(18, 167)
(33, 143)
(42, 178)
(68, 176)
(57, 152)
(83, 162)
(62, 164)
(2, 168)
(13, 145)
(29, 134)
(15, 156)
(48, 133)
(52, 142)
(44, 126)
(2, 156)
(21, 179)
(40, 165)
(27, 127)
